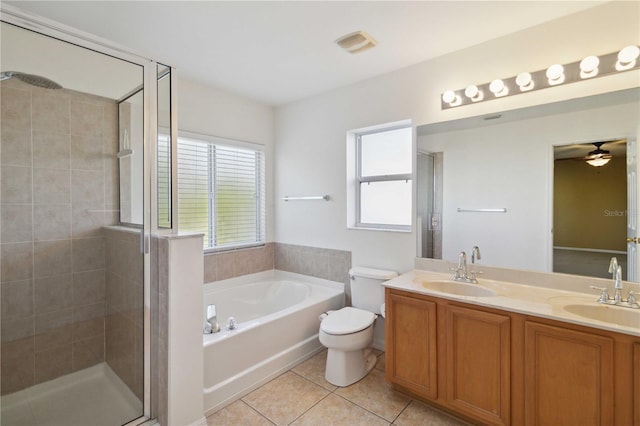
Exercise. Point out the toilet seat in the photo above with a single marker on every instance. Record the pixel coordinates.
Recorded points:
(347, 321)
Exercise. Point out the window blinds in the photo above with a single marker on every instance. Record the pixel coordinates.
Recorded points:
(221, 193)
(164, 181)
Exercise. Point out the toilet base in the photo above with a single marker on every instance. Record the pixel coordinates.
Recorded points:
(345, 368)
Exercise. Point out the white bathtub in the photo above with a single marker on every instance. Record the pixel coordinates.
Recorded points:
(277, 326)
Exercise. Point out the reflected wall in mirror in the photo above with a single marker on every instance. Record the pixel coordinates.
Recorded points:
(590, 207)
(131, 158)
(506, 161)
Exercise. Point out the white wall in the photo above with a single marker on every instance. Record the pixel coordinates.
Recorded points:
(310, 134)
(216, 112)
(185, 357)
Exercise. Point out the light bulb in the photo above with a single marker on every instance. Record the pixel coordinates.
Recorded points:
(627, 58)
(472, 92)
(589, 67)
(498, 88)
(451, 98)
(524, 81)
(555, 74)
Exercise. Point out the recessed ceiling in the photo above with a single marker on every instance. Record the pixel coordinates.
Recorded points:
(281, 51)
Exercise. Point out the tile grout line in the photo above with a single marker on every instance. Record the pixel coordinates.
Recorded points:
(346, 399)
(258, 412)
(309, 409)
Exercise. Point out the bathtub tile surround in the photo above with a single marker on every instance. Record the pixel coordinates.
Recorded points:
(231, 264)
(56, 174)
(328, 264)
(301, 397)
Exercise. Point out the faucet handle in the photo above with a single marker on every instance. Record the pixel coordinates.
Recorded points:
(604, 295)
(631, 299)
(473, 276)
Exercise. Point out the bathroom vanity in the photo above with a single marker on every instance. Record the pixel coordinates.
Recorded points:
(502, 353)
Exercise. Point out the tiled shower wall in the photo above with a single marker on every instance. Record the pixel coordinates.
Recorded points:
(317, 262)
(124, 320)
(59, 187)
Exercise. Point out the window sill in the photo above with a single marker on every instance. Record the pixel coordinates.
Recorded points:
(380, 229)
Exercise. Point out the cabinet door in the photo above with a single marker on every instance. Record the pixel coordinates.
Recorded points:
(568, 377)
(478, 364)
(411, 360)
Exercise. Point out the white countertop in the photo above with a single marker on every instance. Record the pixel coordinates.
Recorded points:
(527, 299)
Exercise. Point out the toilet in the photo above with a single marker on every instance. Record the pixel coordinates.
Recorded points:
(348, 333)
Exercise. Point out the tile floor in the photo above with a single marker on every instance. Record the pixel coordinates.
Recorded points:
(302, 396)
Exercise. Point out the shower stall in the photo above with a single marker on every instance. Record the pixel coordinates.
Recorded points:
(75, 163)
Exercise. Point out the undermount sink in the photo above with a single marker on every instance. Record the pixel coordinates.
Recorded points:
(458, 288)
(612, 314)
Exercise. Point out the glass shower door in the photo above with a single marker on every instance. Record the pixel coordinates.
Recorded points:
(73, 281)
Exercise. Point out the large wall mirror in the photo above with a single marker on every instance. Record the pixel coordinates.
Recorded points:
(517, 185)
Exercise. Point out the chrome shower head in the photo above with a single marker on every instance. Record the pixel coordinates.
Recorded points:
(32, 79)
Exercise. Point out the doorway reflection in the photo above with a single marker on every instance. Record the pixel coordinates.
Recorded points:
(589, 209)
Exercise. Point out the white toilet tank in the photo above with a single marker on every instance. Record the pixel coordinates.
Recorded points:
(366, 287)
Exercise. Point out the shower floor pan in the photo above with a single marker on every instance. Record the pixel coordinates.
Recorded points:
(94, 396)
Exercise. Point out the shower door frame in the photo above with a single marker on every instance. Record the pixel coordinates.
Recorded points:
(47, 27)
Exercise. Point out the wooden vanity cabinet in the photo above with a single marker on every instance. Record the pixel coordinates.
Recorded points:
(497, 367)
(411, 332)
(454, 355)
(478, 363)
(569, 376)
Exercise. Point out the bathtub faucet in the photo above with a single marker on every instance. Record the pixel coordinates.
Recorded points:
(231, 323)
(211, 324)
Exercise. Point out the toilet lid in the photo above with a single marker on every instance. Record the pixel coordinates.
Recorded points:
(347, 320)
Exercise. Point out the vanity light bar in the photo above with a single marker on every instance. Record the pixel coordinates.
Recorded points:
(626, 59)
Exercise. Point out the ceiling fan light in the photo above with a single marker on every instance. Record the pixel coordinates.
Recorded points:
(598, 162)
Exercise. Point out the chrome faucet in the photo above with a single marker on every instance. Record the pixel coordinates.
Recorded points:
(211, 324)
(616, 273)
(617, 286)
(613, 267)
(475, 254)
(462, 272)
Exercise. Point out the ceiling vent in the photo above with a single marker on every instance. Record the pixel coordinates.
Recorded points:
(356, 42)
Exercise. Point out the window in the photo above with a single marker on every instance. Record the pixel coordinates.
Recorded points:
(163, 177)
(221, 191)
(383, 178)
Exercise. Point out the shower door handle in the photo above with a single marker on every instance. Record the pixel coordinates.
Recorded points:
(144, 243)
